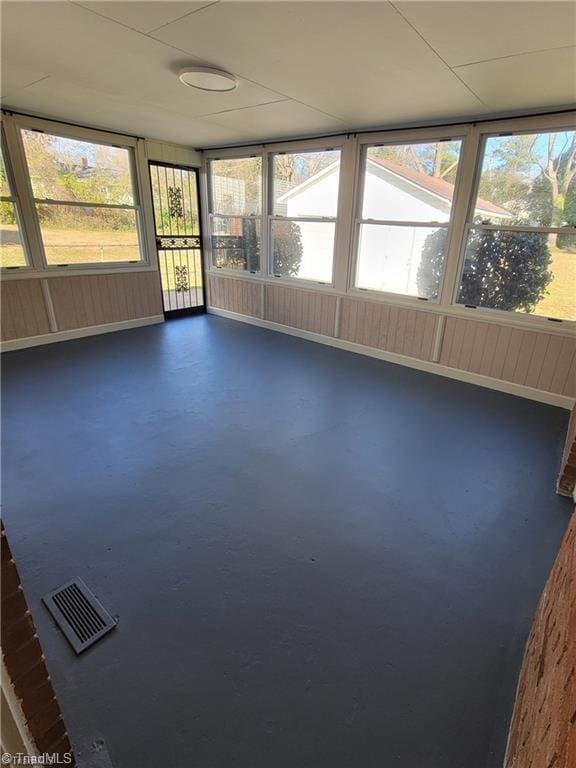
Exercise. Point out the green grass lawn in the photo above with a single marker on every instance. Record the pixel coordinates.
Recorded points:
(84, 246)
(560, 301)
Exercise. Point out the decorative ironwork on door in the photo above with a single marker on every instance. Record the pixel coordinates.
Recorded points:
(178, 240)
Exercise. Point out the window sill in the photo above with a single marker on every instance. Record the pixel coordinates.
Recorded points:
(27, 273)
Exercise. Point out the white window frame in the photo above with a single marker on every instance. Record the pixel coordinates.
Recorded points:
(15, 200)
(396, 138)
(325, 146)
(235, 154)
(350, 199)
(518, 127)
(142, 194)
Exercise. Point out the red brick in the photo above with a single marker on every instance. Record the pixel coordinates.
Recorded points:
(63, 747)
(14, 608)
(5, 553)
(540, 732)
(28, 685)
(17, 634)
(44, 718)
(52, 736)
(567, 477)
(22, 660)
(33, 705)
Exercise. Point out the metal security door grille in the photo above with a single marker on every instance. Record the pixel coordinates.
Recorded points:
(178, 238)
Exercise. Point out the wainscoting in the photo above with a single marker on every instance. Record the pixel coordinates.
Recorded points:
(38, 311)
(530, 363)
(534, 359)
(309, 311)
(80, 302)
(239, 296)
(24, 311)
(395, 329)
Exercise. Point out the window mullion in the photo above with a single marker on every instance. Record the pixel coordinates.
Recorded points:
(344, 233)
(144, 205)
(84, 204)
(462, 201)
(312, 219)
(568, 230)
(31, 235)
(399, 223)
(265, 207)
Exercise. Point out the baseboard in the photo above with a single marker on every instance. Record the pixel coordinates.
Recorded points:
(530, 393)
(78, 333)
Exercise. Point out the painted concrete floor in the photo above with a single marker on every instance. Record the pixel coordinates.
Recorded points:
(318, 560)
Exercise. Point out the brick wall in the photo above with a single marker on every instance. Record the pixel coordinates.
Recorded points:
(543, 729)
(567, 478)
(25, 663)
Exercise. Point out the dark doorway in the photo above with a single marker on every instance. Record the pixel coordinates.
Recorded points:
(178, 238)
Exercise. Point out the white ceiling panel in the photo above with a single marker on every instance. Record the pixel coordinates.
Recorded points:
(171, 94)
(361, 62)
(119, 113)
(144, 16)
(466, 32)
(284, 119)
(303, 67)
(15, 78)
(520, 82)
(83, 48)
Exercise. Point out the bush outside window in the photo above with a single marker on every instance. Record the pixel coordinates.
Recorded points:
(526, 261)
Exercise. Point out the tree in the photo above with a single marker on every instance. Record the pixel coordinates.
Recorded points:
(437, 159)
(503, 269)
(287, 248)
(251, 245)
(78, 171)
(534, 177)
(553, 193)
(559, 167)
(431, 267)
(565, 241)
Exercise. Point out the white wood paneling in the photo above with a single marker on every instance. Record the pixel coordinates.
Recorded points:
(80, 302)
(402, 330)
(23, 309)
(532, 358)
(242, 296)
(304, 309)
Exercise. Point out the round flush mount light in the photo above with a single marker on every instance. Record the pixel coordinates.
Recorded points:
(208, 79)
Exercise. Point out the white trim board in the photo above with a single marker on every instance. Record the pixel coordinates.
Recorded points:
(78, 333)
(530, 393)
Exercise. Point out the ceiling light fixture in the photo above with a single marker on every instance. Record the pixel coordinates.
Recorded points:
(208, 79)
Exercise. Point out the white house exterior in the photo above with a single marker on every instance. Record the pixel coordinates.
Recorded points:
(388, 254)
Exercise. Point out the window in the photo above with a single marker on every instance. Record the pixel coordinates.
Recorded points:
(236, 209)
(305, 189)
(85, 199)
(520, 252)
(12, 252)
(406, 208)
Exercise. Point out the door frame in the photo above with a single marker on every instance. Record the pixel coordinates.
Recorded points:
(185, 311)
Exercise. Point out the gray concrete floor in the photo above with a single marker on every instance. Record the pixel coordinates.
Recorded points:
(318, 560)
